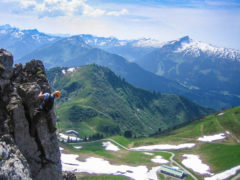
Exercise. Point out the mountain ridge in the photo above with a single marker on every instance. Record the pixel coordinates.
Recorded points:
(108, 103)
(73, 51)
(173, 76)
(198, 66)
(188, 45)
(108, 43)
(22, 42)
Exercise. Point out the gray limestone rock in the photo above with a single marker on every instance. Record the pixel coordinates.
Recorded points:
(32, 150)
(13, 165)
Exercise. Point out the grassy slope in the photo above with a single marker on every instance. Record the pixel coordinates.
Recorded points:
(96, 100)
(219, 155)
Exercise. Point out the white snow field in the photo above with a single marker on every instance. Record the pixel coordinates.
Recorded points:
(71, 69)
(220, 114)
(94, 165)
(212, 138)
(225, 174)
(164, 147)
(195, 163)
(77, 147)
(159, 160)
(149, 154)
(110, 147)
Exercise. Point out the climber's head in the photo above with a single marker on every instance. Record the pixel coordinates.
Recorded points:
(57, 94)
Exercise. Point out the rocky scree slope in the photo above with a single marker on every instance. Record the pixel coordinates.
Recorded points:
(28, 150)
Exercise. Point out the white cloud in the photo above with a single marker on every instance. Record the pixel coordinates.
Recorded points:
(27, 3)
(52, 1)
(89, 11)
(118, 13)
(63, 8)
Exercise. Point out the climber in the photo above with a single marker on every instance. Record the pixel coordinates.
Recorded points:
(47, 102)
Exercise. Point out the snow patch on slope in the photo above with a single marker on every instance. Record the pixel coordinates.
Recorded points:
(109, 146)
(225, 174)
(159, 160)
(77, 147)
(212, 137)
(149, 154)
(194, 162)
(164, 147)
(94, 165)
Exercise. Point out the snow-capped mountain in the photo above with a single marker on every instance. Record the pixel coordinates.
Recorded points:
(95, 41)
(114, 42)
(194, 48)
(22, 42)
(198, 65)
(147, 42)
(129, 49)
(21, 34)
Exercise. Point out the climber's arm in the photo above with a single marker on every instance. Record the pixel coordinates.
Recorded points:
(41, 95)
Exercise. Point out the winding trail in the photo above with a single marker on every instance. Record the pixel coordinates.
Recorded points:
(176, 163)
(171, 158)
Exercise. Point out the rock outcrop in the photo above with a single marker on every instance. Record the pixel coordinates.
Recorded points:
(26, 137)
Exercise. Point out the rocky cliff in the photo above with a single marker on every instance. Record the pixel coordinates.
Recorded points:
(28, 142)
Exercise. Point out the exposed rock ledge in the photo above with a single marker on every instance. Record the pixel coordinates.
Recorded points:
(28, 147)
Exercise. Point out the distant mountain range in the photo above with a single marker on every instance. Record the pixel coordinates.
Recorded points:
(204, 73)
(197, 65)
(131, 50)
(184, 50)
(95, 100)
(22, 42)
(73, 51)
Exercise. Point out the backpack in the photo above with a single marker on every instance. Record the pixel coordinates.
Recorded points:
(48, 103)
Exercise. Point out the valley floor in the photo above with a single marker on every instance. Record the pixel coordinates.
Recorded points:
(206, 149)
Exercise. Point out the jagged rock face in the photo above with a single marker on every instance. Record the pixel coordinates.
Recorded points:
(13, 165)
(6, 61)
(31, 133)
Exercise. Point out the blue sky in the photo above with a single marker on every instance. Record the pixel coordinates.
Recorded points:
(212, 21)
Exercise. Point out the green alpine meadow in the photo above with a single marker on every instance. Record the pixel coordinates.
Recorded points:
(96, 101)
(220, 155)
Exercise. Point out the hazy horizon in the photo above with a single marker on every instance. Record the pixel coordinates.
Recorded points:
(210, 21)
